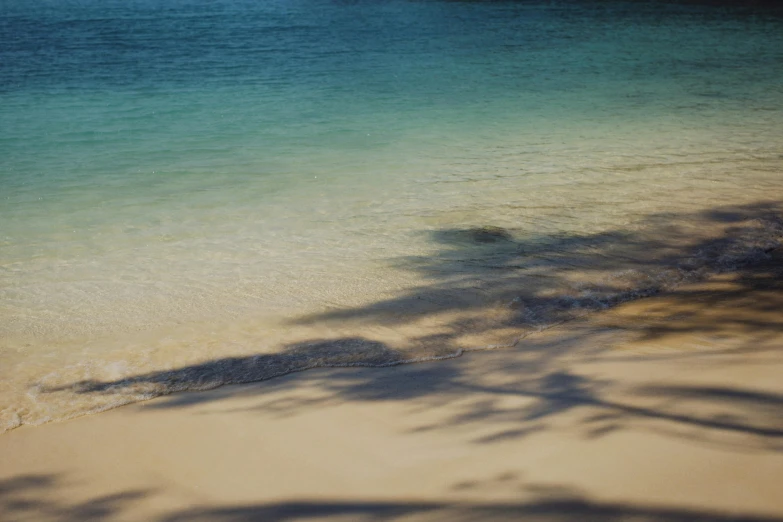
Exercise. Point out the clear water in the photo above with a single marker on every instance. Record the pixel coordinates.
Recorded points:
(199, 192)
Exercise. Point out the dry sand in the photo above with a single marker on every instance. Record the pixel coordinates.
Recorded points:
(668, 409)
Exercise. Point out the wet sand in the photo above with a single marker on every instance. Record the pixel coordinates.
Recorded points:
(667, 408)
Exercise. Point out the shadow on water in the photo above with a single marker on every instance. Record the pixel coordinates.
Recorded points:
(30, 497)
(547, 280)
(544, 374)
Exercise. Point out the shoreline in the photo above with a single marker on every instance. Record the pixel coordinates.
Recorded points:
(666, 408)
(511, 294)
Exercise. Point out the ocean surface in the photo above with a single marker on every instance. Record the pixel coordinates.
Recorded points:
(199, 192)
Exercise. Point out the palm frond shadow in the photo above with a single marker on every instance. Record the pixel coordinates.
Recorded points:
(491, 266)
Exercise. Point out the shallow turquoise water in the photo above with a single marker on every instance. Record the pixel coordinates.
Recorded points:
(185, 181)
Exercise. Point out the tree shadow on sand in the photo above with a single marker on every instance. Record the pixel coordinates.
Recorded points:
(549, 510)
(532, 284)
(35, 497)
(26, 497)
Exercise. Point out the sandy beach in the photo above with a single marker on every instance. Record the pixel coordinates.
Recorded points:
(668, 408)
(398, 261)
